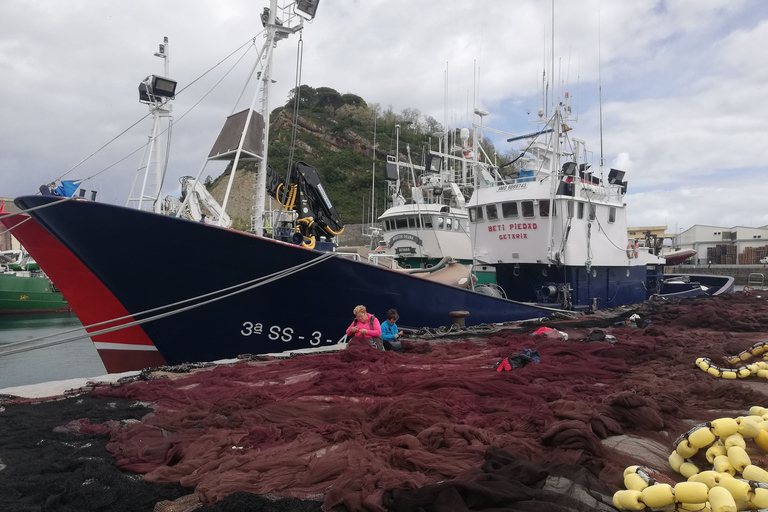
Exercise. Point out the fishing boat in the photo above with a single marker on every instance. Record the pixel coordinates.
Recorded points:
(29, 291)
(432, 224)
(678, 256)
(552, 239)
(24, 287)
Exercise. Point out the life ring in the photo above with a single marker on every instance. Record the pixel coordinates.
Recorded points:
(637, 246)
(630, 250)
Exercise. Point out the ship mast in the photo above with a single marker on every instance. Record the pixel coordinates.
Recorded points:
(276, 30)
(157, 92)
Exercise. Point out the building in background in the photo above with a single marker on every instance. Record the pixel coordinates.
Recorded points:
(739, 245)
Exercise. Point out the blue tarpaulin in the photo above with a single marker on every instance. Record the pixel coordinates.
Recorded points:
(67, 188)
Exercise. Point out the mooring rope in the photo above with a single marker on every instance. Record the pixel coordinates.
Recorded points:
(229, 292)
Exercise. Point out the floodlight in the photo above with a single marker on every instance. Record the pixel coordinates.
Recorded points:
(163, 87)
(307, 8)
(155, 87)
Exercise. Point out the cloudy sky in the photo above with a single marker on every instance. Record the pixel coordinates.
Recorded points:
(683, 85)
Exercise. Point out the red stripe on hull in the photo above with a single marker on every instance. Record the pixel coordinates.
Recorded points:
(118, 361)
(91, 301)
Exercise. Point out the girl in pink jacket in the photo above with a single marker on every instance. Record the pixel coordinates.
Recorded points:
(366, 327)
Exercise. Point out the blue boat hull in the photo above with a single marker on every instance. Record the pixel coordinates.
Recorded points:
(596, 288)
(152, 261)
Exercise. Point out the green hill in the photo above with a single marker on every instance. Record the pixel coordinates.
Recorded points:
(335, 134)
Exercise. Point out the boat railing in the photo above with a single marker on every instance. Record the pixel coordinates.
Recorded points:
(383, 260)
(280, 224)
(349, 255)
(755, 281)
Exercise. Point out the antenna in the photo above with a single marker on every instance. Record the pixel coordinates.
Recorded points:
(552, 73)
(600, 90)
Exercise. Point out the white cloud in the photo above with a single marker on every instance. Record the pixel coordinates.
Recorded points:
(682, 83)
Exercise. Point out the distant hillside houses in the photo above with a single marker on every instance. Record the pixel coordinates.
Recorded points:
(738, 245)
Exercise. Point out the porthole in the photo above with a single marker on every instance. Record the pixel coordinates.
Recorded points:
(594, 272)
(544, 272)
(627, 272)
(516, 272)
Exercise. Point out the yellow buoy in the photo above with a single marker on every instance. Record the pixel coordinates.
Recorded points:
(721, 500)
(688, 469)
(724, 427)
(708, 478)
(738, 458)
(760, 499)
(734, 440)
(761, 440)
(723, 465)
(755, 473)
(658, 495)
(700, 438)
(628, 500)
(675, 461)
(685, 449)
(715, 450)
(635, 482)
(739, 489)
(694, 507)
(748, 427)
(691, 492)
(631, 469)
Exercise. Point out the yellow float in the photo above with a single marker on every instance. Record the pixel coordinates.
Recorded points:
(733, 483)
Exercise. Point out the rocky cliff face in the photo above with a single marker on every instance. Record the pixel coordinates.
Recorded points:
(335, 134)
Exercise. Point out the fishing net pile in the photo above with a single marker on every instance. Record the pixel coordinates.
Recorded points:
(444, 426)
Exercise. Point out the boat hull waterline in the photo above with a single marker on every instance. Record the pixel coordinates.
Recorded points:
(309, 308)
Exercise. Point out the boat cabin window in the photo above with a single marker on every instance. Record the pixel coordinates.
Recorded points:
(440, 222)
(527, 208)
(581, 210)
(426, 221)
(570, 209)
(448, 223)
(492, 212)
(592, 210)
(411, 222)
(509, 210)
(457, 225)
(475, 214)
(544, 208)
(612, 214)
(401, 223)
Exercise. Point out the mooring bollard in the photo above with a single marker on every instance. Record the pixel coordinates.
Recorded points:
(457, 317)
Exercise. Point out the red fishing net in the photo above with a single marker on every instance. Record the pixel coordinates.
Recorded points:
(367, 430)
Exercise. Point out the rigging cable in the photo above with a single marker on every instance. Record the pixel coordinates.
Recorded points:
(296, 102)
(148, 114)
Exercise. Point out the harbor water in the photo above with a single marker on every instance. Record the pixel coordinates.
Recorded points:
(42, 363)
